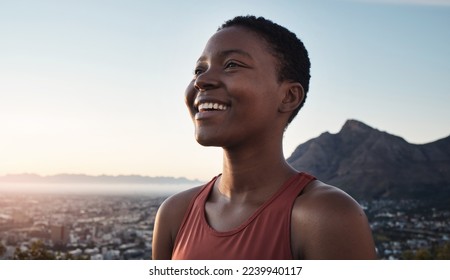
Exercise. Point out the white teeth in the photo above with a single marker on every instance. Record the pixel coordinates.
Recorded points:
(209, 106)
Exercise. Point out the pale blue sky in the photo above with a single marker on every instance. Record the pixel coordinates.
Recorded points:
(97, 87)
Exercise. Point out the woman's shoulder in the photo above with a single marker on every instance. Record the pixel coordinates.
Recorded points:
(324, 197)
(174, 207)
(168, 221)
(331, 224)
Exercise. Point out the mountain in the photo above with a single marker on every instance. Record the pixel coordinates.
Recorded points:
(103, 179)
(371, 164)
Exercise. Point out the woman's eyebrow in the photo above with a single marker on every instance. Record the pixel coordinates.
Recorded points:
(226, 53)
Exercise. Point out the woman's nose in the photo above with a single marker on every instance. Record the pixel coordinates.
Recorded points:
(206, 80)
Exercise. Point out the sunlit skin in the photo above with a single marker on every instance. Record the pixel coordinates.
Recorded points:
(238, 73)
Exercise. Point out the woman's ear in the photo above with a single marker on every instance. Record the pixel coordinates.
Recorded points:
(292, 97)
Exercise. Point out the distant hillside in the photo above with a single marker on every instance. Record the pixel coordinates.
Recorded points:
(81, 178)
(368, 163)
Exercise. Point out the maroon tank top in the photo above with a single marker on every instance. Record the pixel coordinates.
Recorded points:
(265, 235)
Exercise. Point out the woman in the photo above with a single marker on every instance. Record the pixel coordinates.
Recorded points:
(249, 83)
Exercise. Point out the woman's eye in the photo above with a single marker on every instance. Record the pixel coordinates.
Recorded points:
(231, 64)
(198, 71)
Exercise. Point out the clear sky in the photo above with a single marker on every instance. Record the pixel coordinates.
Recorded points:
(97, 87)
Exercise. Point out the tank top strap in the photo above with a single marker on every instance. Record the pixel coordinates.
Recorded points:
(295, 186)
(206, 189)
(287, 193)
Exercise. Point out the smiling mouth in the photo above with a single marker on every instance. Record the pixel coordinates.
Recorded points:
(211, 106)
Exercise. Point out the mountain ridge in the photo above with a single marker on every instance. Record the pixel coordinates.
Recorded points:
(369, 163)
(84, 178)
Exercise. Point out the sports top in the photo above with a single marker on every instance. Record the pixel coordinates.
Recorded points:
(266, 234)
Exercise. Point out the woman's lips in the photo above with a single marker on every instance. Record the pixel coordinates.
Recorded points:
(210, 109)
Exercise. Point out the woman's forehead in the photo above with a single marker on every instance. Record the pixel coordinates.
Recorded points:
(235, 38)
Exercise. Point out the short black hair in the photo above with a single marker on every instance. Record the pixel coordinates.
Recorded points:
(294, 63)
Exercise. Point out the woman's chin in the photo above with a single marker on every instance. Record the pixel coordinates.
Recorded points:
(208, 140)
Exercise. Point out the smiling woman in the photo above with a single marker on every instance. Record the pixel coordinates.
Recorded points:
(249, 83)
(233, 73)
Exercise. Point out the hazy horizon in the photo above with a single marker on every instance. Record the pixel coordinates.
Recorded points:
(93, 189)
(89, 178)
(28, 175)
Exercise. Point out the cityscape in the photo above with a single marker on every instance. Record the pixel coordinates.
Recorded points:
(119, 227)
(78, 226)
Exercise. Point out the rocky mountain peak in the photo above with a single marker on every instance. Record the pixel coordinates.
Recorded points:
(355, 126)
(368, 163)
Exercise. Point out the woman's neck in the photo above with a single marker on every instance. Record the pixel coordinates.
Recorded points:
(255, 172)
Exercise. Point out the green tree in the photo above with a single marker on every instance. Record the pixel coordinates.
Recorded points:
(408, 255)
(36, 252)
(443, 252)
(423, 254)
(2, 249)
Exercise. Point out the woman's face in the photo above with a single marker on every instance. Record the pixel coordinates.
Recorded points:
(234, 95)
